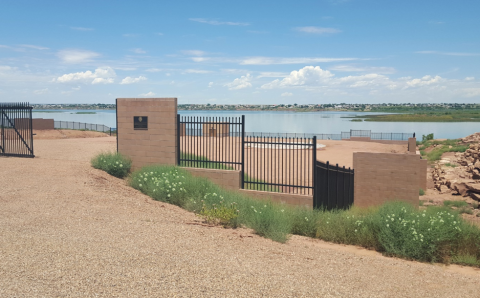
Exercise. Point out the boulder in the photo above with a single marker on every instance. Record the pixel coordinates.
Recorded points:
(461, 188)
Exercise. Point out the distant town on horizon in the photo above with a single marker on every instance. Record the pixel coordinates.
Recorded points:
(283, 107)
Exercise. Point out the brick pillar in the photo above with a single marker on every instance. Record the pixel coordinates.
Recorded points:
(155, 144)
(412, 145)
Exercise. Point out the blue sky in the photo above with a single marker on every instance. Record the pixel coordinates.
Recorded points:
(252, 52)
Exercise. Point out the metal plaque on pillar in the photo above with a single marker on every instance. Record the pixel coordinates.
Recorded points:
(140, 122)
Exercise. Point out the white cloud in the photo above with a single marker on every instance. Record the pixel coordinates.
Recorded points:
(272, 74)
(103, 75)
(82, 28)
(213, 22)
(353, 68)
(317, 30)
(130, 80)
(279, 60)
(448, 53)
(199, 59)
(210, 84)
(472, 92)
(102, 81)
(129, 35)
(41, 91)
(193, 52)
(138, 51)
(153, 70)
(425, 81)
(469, 78)
(309, 75)
(33, 47)
(76, 56)
(240, 83)
(198, 71)
(147, 94)
(159, 33)
(287, 94)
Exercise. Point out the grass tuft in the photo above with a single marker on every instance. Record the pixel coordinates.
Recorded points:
(113, 163)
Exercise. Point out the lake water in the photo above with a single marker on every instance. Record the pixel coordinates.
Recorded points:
(290, 122)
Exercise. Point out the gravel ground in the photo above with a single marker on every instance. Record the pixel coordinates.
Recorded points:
(67, 230)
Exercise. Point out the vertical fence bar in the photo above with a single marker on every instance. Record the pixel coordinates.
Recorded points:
(242, 131)
(178, 138)
(313, 164)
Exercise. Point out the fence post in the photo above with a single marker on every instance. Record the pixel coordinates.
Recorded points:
(178, 138)
(110, 131)
(314, 163)
(328, 184)
(242, 174)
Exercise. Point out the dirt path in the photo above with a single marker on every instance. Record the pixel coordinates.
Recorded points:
(67, 230)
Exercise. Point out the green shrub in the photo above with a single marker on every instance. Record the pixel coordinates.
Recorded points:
(421, 192)
(457, 204)
(113, 163)
(221, 214)
(427, 137)
(425, 236)
(465, 209)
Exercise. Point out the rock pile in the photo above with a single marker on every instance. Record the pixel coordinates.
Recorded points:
(464, 179)
(474, 138)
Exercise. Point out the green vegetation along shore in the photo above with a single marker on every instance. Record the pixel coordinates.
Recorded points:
(426, 116)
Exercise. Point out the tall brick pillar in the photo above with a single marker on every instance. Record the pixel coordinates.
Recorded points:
(147, 130)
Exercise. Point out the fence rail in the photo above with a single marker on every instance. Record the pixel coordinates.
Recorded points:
(85, 126)
(211, 142)
(280, 164)
(344, 135)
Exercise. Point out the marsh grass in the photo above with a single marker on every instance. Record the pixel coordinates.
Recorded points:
(113, 163)
(437, 234)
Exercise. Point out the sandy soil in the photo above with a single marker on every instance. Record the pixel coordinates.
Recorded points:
(66, 134)
(68, 230)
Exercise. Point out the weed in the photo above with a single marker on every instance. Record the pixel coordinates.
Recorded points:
(468, 260)
(222, 214)
(457, 204)
(113, 163)
(421, 192)
(465, 209)
(451, 165)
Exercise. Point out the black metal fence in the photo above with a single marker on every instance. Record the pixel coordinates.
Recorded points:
(84, 126)
(211, 142)
(333, 186)
(280, 164)
(339, 136)
(16, 136)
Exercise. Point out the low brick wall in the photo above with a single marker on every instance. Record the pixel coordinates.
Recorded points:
(227, 179)
(285, 198)
(382, 177)
(368, 139)
(422, 179)
(412, 145)
(37, 123)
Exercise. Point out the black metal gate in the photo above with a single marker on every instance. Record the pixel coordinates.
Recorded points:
(333, 186)
(16, 137)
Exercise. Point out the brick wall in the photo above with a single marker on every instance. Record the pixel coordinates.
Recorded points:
(382, 177)
(285, 198)
(227, 179)
(422, 179)
(412, 145)
(37, 123)
(157, 145)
